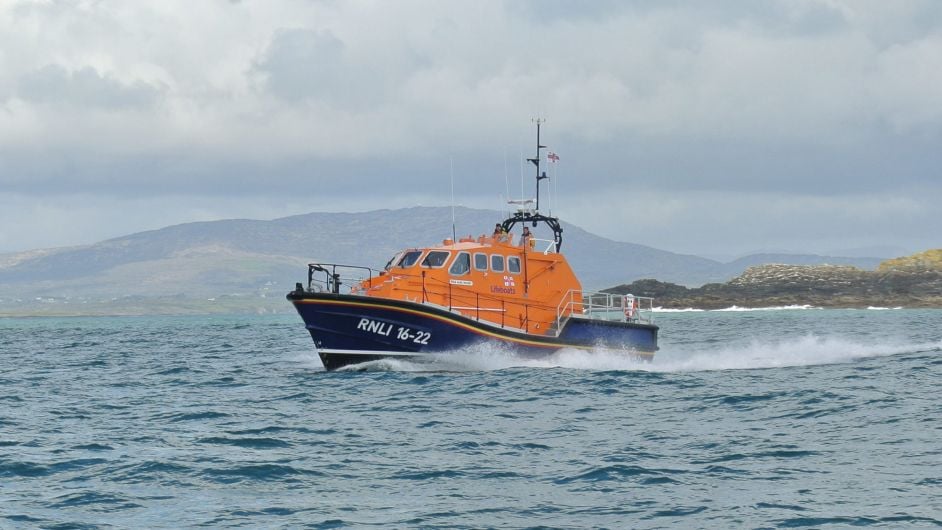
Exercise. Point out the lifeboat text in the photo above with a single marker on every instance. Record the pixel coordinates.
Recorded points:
(503, 290)
(373, 326)
(385, 329)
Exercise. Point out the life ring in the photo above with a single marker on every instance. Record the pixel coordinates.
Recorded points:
(631, 306)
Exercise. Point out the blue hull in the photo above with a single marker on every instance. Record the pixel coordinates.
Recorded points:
(350, 329)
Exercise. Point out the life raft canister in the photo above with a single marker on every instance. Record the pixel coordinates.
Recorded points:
(631, 306)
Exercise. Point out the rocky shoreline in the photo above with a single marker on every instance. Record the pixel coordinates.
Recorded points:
(913, 282)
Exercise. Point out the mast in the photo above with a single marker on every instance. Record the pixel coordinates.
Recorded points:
(536, 161)
(524, 215)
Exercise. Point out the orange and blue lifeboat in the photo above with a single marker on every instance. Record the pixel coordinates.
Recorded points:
(520, 295)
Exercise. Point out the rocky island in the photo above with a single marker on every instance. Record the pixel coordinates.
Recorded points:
(911, 281)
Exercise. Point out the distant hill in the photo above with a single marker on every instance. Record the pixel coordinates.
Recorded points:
(241, 263)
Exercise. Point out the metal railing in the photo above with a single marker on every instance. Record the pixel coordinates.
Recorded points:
(536, 244)
(605, 306)
(336, 275)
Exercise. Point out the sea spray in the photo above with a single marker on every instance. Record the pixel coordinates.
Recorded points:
(799, 351)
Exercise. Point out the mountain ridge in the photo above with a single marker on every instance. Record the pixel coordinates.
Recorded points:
(259, 259)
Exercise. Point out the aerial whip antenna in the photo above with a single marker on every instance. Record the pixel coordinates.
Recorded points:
(506, 179)
(454, 231)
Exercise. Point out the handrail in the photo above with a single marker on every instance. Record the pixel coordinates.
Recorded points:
(598, 305)
(551, 245)
(333, 279)
(468, 297)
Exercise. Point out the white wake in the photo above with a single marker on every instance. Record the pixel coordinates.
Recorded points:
(806, 350)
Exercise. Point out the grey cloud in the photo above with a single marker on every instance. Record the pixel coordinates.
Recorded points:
(778, 16)
(307, 65)
(303, 63)
(549, 11)
(85, 87)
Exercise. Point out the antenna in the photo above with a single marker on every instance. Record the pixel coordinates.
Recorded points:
(555, 183)
(454, 231)
(506, 179)
(521, 173)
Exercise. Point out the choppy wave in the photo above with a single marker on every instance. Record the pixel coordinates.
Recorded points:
(101, 430)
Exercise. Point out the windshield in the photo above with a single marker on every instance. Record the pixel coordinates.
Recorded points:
(392, 260)
(409, 259)
(436, 258)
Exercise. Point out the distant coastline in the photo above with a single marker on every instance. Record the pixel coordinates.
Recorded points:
(910, 282)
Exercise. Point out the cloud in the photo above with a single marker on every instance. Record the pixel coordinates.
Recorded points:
(84, 88)
(303, 63)
(677, 101)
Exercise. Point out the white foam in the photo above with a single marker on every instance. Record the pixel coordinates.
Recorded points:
(668, 310)
(801, 351)
(308, 360)
(736, 308)
(873, 308)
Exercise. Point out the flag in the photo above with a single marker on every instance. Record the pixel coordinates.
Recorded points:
(553, 157)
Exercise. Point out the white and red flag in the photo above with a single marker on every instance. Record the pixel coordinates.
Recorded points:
(553, 157)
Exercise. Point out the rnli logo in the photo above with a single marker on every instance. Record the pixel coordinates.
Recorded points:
(509, 286)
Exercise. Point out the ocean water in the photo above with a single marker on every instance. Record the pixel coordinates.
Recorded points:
(796, 418)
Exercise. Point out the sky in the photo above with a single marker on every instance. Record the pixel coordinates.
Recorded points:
(712, 128)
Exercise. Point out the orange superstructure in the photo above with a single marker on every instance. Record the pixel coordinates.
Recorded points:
(524, 286)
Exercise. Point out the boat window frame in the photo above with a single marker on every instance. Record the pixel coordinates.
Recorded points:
(475, 262)
(513, 259)
(455, 262)
(502, 263)
(443, 263)
(405, 255)
(393, 260)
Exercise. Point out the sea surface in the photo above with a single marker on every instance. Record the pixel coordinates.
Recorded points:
(787, 418)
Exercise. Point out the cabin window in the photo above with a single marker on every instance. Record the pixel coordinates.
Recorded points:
(462, 264)
(435, 259)
(497, 263)
(392, 260)
(513, 265)
(480, 262)
(409, 259)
